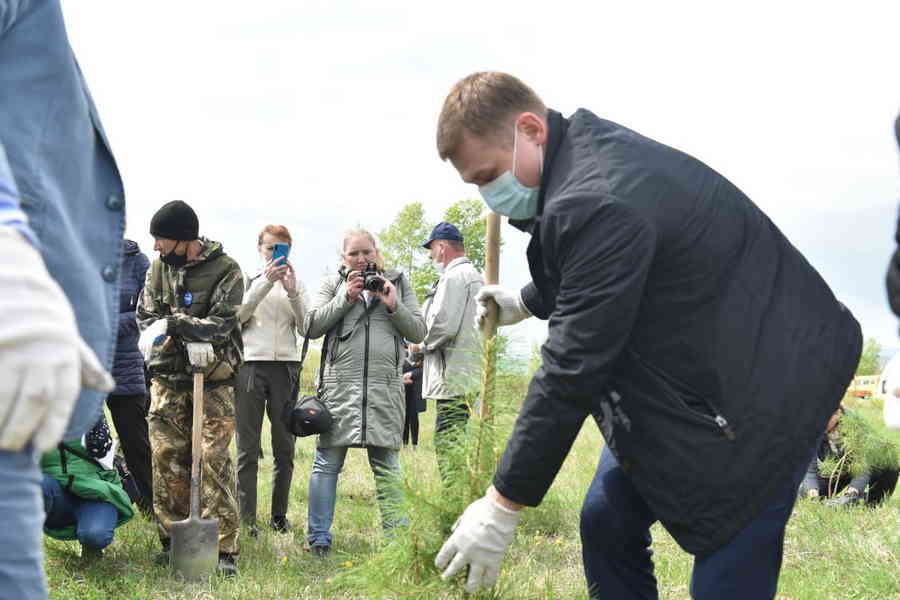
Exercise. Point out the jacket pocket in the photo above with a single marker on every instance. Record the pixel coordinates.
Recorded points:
(699, 408)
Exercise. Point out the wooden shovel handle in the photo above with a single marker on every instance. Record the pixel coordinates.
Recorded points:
(196, 444)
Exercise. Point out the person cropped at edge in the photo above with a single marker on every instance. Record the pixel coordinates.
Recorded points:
(188, 319)
(271, 317)
(452, 345)
(415, 403)
(891, 383)
(361, 382)
(128, 403)
(864, 473)
(708, 350)
(61, 221)
(83, 495)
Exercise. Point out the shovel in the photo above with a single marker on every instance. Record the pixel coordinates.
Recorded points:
(195, 541)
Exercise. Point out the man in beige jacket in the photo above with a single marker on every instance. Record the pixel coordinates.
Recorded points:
(452, 343)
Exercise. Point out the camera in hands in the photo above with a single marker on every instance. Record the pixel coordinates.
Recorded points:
(372, 281)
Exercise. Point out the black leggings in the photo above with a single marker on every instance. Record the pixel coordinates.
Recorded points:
(411, 426)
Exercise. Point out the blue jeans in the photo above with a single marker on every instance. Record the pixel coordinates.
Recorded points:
(615, 539)
(21, 557)
(385, 463)
(94, 520)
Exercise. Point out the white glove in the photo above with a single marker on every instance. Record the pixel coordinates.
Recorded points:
(43, 361)
(480, 539)
(201, 354)
(510, 311)
(151, 336)
(891, 386)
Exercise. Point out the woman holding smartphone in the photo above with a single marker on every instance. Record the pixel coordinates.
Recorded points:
(271, 317)
(364, 317)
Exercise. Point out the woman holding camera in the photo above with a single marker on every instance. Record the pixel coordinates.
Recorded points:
(271, 316)
(364, 312)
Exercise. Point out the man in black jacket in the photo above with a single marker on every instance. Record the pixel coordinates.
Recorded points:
(707, 349)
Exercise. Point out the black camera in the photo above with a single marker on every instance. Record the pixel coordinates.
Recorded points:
(372, 281)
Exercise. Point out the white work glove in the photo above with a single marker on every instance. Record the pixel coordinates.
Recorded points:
(201, 354)
(480, 539)
(43, 361)
(510, 308)
(152, 336)
(891, 387)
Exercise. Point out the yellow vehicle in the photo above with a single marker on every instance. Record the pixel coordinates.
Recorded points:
(863, 386)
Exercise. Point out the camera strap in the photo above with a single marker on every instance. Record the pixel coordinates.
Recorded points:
(312, 318)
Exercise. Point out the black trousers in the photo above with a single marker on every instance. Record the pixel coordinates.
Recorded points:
(264, 387)
(129, 416)
(411, 425)
(881, 486)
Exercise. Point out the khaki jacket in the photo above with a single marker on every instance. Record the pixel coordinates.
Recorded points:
(270, 321)
(362, 383)
(453, 343)
(199, 302)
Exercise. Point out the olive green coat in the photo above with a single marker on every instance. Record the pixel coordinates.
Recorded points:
(362, 383)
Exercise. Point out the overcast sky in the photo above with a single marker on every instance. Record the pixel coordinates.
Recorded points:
(321, 115)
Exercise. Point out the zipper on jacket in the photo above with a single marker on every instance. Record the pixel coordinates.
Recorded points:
(716, 416)
(365, 396)
(725, 427)
(396, 352)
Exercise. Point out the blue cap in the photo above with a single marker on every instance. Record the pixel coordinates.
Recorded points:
(443, 231)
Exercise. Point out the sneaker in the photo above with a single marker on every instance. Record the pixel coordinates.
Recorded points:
(227, 566)
(321, 550)
(280, 524)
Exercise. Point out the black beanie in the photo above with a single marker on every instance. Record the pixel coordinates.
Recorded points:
(175, 221)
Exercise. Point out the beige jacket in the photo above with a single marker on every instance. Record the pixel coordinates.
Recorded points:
(452, 345)
(271, 322)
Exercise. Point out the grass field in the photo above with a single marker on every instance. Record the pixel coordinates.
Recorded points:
(829, 554)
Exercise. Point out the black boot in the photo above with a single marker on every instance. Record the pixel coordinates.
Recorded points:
(162, 558)
(227, 566)
(280, 524)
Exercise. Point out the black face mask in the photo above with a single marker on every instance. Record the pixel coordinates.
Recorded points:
(174, 260)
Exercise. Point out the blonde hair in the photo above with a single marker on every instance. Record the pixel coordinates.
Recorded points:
(482, 104)
(358, 232)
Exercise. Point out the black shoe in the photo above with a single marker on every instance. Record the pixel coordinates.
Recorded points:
(321, 550)
(252, 530)
(162, 558)
(226, 566)
(90, 554)
(280, 524)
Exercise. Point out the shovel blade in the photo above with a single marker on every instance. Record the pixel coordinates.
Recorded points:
(195, 548)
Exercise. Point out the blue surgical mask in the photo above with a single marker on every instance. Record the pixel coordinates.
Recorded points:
(506, 195)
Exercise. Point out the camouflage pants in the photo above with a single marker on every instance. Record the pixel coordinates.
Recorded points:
(170, 441)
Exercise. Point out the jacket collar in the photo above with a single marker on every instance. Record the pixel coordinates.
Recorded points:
(456, 262)
(556, 131)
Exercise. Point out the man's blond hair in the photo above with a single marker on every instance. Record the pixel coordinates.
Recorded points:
(482, 104)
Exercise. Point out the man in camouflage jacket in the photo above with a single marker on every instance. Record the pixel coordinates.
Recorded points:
(188, 315)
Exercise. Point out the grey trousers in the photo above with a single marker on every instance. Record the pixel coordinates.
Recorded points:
(264, 387)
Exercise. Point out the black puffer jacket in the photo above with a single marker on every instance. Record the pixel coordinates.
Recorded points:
(709, 350)
(128, 368)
